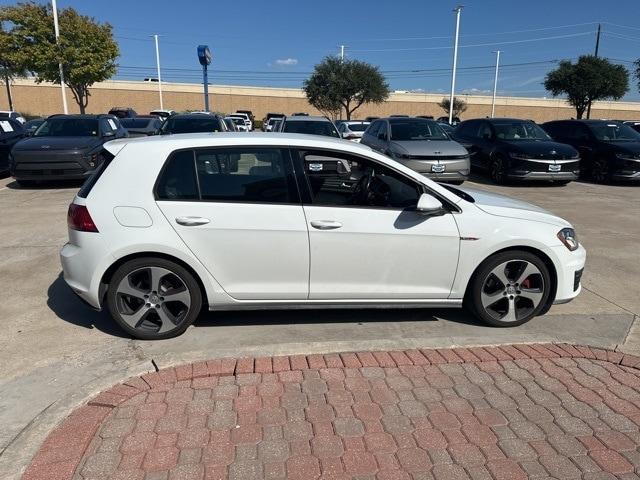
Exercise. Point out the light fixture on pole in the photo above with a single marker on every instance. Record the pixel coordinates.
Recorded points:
(204, 57)
(155, 37)
(458, 9)
(57, 31)
(495, 84)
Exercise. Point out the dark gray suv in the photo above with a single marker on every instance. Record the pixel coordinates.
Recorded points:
(421, 145)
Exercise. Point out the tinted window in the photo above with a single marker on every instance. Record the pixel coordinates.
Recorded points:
(519, 131)
(357, 127)
(245, 175)
(310, 127)
(467, 129)
(416, 129)
(87, 186)
(203, 123)
(68, 127)
(484, 131)
(367, 184)
(136, 122)
(373, 128)
(178, 180)
(613, 132)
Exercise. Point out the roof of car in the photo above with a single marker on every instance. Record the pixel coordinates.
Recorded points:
(82, 115)
(404, 119)
(581, 120)
(307, 118)
(505, 119)
(194, 115)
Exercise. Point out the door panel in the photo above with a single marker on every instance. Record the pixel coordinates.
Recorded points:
(381, 254)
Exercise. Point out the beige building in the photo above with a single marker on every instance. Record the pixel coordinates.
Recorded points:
(44, 99)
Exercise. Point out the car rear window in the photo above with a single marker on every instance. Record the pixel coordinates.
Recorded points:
(89, 183)
(357, 127)
(192, 125)
(178, 178)
(135, 122)
(311, 127)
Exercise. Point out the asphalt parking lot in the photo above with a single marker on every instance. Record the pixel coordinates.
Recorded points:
(51, 344)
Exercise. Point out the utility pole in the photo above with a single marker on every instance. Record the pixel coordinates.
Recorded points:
(595, 54)
(495, 84)
(342, 53)
(57, 31)
(458, 9)
(155, 37)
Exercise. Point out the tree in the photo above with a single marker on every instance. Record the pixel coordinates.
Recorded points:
(86, 49)
(12, 62)
(459, 106)
(349, 84)
(588, 80)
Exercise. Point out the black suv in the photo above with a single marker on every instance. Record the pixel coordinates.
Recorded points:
(513, 149)
(64, 147)
(609, 150)
(11, 132)
(193, 123)
(123, 112)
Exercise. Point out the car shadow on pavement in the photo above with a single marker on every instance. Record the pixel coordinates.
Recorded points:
(485, 180)
(68, 307)
(45, 185)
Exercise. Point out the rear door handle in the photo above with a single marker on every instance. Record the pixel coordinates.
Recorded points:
(192, 221)
(325, 224)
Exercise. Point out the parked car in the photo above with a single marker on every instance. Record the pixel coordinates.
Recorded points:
(268, 125)
(300, 114)
(309, 125)
(32, 125)
(12, 115)
(123, 112)
(635, 124)
(142, 125)
(352, 130)
(248, 123)
(454, 121)
(609, 150)
(64, 147)
(249, 113)
(240, 123)
(11, 132)
(420, 145)
(268, 117)
(371, 119)
(193, 123)
(427, 117)
(448, 129)
(162, 113)
(514, 149)
(332, 223)
(276, 124)
(231, 125)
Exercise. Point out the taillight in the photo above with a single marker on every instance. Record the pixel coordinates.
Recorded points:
(78, 218)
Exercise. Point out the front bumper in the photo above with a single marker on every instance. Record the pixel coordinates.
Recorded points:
(626, 176)
(459, 176)
(560, 176)
(543, 169)
(53, 166)
(569, 269)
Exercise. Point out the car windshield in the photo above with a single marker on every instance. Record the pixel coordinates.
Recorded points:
(68, 127)
(237, 121)
(357, 127)
(191, 125)
(136, 122)
(614, 132)
(312, 128)
(520, 131)
(415, 129)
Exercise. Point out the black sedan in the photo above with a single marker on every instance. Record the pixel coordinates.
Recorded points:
(193, 123)
(609, 150)
(11, 132)
(142, 125)
(64, 147)
(512, 149)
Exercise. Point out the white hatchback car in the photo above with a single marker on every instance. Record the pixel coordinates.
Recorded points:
(169, 224)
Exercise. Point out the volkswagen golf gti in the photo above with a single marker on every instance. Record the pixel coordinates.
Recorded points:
(171, 224)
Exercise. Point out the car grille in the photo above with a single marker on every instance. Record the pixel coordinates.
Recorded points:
(576, 279)
(438, 157)
(548, 156)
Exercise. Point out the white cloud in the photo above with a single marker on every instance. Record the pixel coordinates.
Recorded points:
(287, 61)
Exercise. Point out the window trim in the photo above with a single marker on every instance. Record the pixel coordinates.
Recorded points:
(292, 183)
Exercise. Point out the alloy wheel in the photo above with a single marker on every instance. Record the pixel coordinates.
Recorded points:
(600, 170)
(497, 170)
(153, 299)
(512, 290)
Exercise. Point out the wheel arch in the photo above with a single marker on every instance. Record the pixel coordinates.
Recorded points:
(108, 274)
(535, 251)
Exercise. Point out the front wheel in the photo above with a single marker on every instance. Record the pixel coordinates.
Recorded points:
(509, 289)
(600, 170)
(498, 170)
(153, 298)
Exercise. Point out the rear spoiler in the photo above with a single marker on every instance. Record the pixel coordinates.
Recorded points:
(114, 146)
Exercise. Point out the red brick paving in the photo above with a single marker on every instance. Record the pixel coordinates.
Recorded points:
(509, 412)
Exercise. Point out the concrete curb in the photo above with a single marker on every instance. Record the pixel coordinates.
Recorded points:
(64, 448)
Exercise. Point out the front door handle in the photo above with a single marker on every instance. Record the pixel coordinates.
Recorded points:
(325, 224)
(192, 221)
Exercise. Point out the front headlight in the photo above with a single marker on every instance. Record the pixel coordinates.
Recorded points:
(628, 156)
(519, 156)
(569, 238)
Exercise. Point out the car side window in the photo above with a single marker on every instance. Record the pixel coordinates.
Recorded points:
(105, 126)
(253, 175)
(373, 129)
(484, 131)
(337, 179)
(178, 178)
(383, 131)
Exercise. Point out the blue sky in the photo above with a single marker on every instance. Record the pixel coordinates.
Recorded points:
(277, 43)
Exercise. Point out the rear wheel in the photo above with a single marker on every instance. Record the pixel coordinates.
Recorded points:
(153, 298)
(600, 170)
(509, 289)
(498, 171)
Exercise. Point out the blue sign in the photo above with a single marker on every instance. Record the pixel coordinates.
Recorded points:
(204, 55)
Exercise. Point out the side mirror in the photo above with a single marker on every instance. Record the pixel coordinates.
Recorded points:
(429, 205)
(112, 133)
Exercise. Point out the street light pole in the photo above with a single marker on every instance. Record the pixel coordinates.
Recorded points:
(458, 9)
(155, 37)
(57, 30)
(342, 53)
(495, 84)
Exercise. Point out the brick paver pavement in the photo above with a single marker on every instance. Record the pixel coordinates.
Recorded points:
(510, 412)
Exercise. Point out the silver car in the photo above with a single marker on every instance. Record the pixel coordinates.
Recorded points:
(421, 145)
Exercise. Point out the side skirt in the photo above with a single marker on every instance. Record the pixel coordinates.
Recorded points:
(337, 304)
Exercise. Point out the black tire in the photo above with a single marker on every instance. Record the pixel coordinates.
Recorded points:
(473, 300)
(600, 171)
(498, 170)
(145, 330)
(26, 183)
